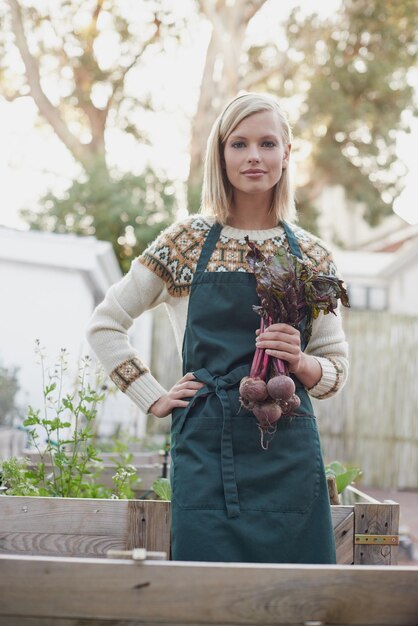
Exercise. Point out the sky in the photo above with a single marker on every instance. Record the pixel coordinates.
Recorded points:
(32, 159)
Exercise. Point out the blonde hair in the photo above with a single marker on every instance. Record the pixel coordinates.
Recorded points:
(216, 189)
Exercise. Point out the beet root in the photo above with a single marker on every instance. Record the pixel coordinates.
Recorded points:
(253, 389)
(281, 387)
(267, 413)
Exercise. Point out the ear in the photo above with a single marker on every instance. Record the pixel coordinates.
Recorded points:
(286, 155)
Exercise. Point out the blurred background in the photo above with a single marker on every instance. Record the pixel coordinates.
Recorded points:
(105, 107)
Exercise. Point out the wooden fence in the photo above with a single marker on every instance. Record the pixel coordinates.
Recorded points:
(373, 422)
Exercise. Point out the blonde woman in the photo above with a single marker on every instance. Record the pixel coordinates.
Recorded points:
(232, 500)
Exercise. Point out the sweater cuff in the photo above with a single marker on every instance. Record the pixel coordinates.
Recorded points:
(144, 391)
(331, 379)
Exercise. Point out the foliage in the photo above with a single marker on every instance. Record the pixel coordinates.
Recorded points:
(290, 290)
(9, 388)
(162, 488)
(346, 81)
(129, 211)
(77, 59)
(352, 71)
(344, 476)
(66, 420)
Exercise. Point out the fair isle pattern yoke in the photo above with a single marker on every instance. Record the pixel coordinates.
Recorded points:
(174, 254)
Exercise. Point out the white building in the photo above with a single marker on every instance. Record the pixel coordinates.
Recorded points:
(49, 285)
(383, 275)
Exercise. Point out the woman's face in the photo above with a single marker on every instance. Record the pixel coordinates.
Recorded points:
(255, 154)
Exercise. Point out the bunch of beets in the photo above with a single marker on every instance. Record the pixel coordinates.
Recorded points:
(291, 292)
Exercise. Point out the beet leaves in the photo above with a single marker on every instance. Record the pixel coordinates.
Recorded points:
(291, 291)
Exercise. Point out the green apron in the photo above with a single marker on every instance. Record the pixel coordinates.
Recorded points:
(232, 500)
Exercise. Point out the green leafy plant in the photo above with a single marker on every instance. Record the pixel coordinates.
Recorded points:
(162, 488)
(9, 388)
(344, 476)
(62, 432)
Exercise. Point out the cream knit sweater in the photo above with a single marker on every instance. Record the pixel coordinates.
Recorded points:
(163, 275)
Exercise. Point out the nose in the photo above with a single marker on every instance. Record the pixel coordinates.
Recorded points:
(253, 155)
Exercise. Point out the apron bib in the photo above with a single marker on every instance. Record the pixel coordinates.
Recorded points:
(232, 500)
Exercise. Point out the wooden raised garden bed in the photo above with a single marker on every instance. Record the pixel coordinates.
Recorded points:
(45, 582)
(365, 532)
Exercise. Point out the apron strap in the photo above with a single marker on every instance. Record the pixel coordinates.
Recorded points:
(293, 242)
(208, 247)
(219, 385)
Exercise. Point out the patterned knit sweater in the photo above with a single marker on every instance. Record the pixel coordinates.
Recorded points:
(164, 274)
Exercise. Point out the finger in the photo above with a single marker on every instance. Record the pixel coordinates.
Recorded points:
(281, 346)
(185, 393)
(178, 404)
(189, 385)
(188, 376)
(282, 328)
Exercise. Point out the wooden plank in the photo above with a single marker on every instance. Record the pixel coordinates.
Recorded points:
(376, 519)
(207, 593)
(63, 515)
(82, 527)
(344, 541)
(149, 526)
(340, 513)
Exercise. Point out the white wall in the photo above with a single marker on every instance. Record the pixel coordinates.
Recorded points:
(403, 291)
(49, 304)
(49, 285)
(341, 222)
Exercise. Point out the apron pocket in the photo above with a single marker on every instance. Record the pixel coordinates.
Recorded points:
(196, 464)
(285, 477)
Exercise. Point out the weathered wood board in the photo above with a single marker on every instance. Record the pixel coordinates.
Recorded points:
(82, 527)
(174, 593)
(90, 527)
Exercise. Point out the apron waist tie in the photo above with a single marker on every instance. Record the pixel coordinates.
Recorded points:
(218, 385)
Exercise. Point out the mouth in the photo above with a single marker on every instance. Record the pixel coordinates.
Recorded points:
(254, 173)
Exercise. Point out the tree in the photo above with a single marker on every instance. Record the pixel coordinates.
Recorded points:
(76, 56)
(345, 81)
(356, 66)
(224, 75)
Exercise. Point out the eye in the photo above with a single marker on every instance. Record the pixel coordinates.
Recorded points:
(237, 144)
(268, 144)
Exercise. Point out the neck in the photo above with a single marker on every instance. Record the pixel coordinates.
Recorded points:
(251, 213)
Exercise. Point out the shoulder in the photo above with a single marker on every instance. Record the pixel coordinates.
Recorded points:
(173, 254)
(191, 230)
(316, 250)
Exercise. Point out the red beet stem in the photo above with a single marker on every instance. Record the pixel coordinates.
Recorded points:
(258, 364)
(280, 367)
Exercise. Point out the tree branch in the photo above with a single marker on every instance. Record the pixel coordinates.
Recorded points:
(250, 80)
(45, 107)
(119, 82)
(252, 9)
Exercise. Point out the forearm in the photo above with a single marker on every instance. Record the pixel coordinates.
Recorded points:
(329, 348)
(108, 336)
(308, 371)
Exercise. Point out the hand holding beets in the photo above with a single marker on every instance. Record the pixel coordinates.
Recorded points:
(282, 341)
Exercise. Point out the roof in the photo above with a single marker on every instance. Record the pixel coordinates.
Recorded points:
(95, 259)
(360, 264)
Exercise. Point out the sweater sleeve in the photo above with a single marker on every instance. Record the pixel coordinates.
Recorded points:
(107, 333)
(328, 345)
